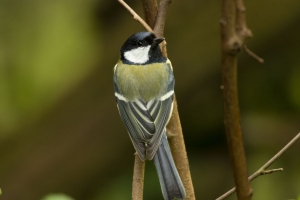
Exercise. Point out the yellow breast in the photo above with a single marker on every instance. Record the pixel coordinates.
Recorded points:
(145, 82)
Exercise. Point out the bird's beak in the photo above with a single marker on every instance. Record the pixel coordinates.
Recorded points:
(157, 41)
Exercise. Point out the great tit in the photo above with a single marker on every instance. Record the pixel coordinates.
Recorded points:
(144, 90)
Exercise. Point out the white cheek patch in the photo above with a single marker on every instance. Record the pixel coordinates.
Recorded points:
(139, 55)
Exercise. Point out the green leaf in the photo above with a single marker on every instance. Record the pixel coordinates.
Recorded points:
(57, 197)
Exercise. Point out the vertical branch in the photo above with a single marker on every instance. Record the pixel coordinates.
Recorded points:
(161, 18)
(242, 29)
(160, 24)
(138, 179)
(150, 11)
(233, 128)
(231, 45)
(228, 22)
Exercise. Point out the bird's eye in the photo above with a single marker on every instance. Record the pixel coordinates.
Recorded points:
(139, 43)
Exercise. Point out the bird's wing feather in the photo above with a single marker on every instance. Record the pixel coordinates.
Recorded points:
(132, 128)
(165, 108)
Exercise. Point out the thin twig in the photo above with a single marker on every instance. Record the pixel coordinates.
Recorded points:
(271, 171)
(262, 170)
(252, 54)
(138, 178)
(272, 160)
(136, 16)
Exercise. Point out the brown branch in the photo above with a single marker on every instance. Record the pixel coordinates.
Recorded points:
(160, 23)
(262, 170)
(138, 178)
(231, 45)
(241, 26)
(161, 18)
(150, 11)
(136, 16)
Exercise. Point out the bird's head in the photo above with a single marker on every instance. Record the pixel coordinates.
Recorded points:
(142, 48)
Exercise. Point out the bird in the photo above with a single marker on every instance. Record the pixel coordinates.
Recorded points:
(144, 91)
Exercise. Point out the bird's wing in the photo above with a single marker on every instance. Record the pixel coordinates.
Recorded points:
(145, 121)
(137, 120)
(133, 127)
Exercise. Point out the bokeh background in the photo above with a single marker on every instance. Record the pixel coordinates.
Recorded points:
(60, 131)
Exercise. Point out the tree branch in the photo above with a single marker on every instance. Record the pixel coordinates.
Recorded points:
(242, 30)
(231, 44)
(262, 170)
(161, 18)
(160, 24)
(241, 25)
(138, 178)
(150, 11)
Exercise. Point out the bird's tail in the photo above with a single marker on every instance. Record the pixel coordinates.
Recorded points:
(170, 182)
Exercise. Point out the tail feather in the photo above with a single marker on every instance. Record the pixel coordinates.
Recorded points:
(169, 178)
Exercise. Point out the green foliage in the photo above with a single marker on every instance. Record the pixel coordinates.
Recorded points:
(57, 197)
(0, 191)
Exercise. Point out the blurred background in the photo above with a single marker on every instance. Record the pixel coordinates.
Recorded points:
(60, 131)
